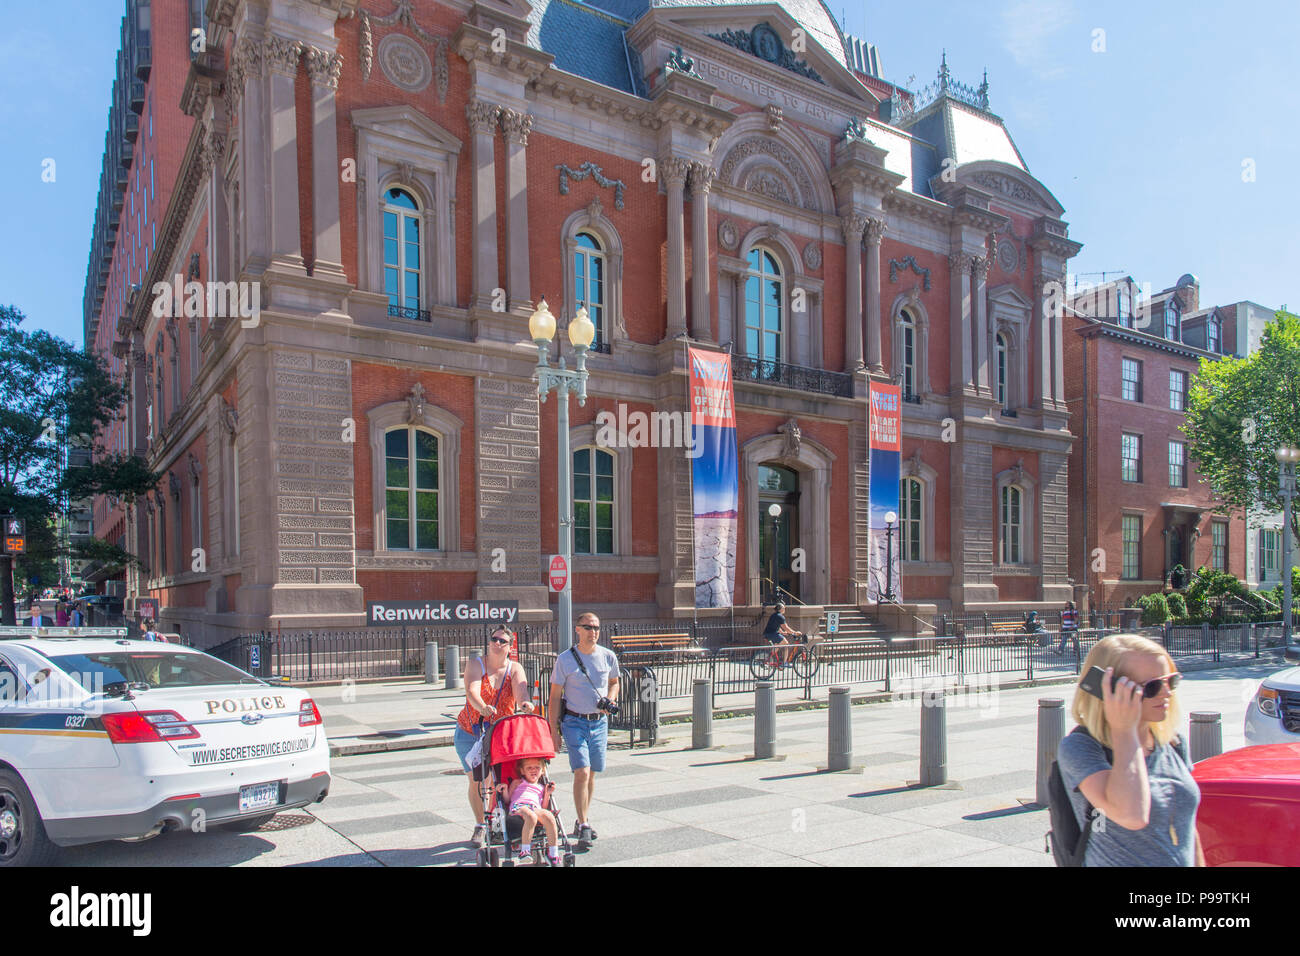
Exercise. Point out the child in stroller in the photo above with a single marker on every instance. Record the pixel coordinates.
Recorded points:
(519, 796)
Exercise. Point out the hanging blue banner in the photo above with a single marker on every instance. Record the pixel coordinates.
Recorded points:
(715, 477)
(885, 446)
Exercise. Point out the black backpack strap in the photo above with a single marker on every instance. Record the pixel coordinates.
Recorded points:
(1090, 813)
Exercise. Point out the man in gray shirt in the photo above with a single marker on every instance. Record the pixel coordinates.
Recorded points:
(581, 720)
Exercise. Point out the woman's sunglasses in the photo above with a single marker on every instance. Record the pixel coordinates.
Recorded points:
(499, 640)
(1151, 689)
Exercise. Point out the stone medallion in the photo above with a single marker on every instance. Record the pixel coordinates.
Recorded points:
(404, 63)
(728, 234)
(1008, 256)
(812, 256)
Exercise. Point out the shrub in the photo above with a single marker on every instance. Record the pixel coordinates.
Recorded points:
(1155, 609)
(1177, 605)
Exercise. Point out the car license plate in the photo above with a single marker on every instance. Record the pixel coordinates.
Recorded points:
(258, 796)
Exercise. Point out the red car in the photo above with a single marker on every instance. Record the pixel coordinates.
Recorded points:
(1250, 806)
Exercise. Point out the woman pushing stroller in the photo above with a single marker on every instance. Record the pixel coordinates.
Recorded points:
(521, 797)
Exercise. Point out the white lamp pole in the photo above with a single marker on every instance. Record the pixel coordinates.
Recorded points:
(1286, 460)
(541, 326)
(890, 518)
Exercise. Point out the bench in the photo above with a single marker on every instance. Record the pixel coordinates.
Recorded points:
(677, 646)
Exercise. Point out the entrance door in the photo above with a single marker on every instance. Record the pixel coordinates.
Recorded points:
(1177, 557)
(778, 536)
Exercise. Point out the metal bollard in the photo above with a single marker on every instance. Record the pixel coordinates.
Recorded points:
(934, 739)
(1051, 728)
(764, 720)
(1206, 736)
(431, 662)
(839, 735)
(451, 667)
(702, 714)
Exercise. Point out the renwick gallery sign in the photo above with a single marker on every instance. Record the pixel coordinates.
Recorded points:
(726, 77)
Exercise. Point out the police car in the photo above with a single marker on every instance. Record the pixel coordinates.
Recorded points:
(105, 738)
(1273, 717)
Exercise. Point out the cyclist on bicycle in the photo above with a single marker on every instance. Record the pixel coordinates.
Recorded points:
(777, 630)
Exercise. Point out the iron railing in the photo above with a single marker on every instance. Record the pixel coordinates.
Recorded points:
(821, 381)
(419, 315)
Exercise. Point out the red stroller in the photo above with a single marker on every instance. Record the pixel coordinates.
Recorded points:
(509, 740)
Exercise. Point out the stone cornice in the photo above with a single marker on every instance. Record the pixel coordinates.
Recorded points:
(678, 109)
(475, 44)
(596, 98)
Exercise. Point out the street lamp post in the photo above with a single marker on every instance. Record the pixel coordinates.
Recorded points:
(775, 511)
(541, 326)
(1286, 460)
(890, 519)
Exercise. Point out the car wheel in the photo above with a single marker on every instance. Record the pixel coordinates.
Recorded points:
(247, 824)
(23, 841)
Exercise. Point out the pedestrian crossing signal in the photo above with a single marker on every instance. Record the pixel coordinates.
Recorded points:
(15, 545)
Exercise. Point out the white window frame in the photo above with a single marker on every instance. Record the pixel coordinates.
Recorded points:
(614, 522)
(1125, 364)
(1218, 528)
(1002, 369)
(911, 526)
(905, 308)
(782, 306)
(447, 428)
(412, 492)
(1171, 310)
(591, 220)
(1180, 392)
(1270, 553)
(1138, 459)
(1182, 452)
(1137, 549)
(1011, 494)
(403, 213)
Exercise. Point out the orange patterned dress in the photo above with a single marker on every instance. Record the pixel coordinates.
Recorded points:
(505, 706)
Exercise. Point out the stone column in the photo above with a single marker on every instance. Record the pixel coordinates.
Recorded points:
(701, 182)
(139, 394)
(252, 221)
(323, 67)
(1054, 497)
(1044, 326)
(282, 55)
(875, 231)
(959, 317)
(483, 122)
(983, 347)
(1058, 358)
(853, 226)
(674, 171)
(517, 126)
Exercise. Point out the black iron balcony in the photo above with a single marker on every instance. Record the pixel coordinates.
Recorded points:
(601, 347)
(1009, 413)
(746, 369)
(418, 315)
(912, 398)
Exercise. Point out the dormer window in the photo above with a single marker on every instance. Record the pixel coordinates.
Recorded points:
(1171, 321)
(1123, 307)
(1212, 335)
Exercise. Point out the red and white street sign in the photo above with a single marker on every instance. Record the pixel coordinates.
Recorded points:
(558, 574)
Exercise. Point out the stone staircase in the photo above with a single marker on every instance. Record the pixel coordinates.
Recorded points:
(854, 625)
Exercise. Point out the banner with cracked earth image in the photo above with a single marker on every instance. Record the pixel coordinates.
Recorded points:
(715, 477)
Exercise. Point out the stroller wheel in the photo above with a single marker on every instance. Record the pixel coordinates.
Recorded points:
(537, 857)
(570, 860)
(494, 857)
(482, 857)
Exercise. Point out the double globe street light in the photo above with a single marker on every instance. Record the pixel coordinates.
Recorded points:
(563, 380)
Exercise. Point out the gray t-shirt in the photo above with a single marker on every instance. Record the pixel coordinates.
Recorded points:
(579, 696)
(1169, 839)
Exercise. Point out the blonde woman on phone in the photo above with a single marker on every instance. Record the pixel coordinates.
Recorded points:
(1143, 786)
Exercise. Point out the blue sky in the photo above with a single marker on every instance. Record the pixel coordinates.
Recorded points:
(1143, 144)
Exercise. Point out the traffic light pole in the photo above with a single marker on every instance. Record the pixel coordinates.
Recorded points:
(7, 590)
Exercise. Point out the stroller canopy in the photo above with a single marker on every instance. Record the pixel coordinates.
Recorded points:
(521, 736)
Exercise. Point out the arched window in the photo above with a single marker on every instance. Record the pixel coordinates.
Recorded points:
(1171, 321)
(1212, 335)
(910, 516)
(593, 501)
(764, 306)
(907, 332)
(1012, 524)
(402, 256)
(1001, 368)
(411, 489)
(589, 285)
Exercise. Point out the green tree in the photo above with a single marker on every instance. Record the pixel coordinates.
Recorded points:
(1239, 412)
(53, 390)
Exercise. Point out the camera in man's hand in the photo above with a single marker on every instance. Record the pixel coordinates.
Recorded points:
(608, 706)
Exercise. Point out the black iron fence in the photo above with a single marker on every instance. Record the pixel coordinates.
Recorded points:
(947, 625)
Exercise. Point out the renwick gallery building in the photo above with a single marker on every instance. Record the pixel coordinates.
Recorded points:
(401, 182)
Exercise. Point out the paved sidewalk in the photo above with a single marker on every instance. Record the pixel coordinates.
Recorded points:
(672, 806)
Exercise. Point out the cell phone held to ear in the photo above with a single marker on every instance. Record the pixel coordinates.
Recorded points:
(1092, 682)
